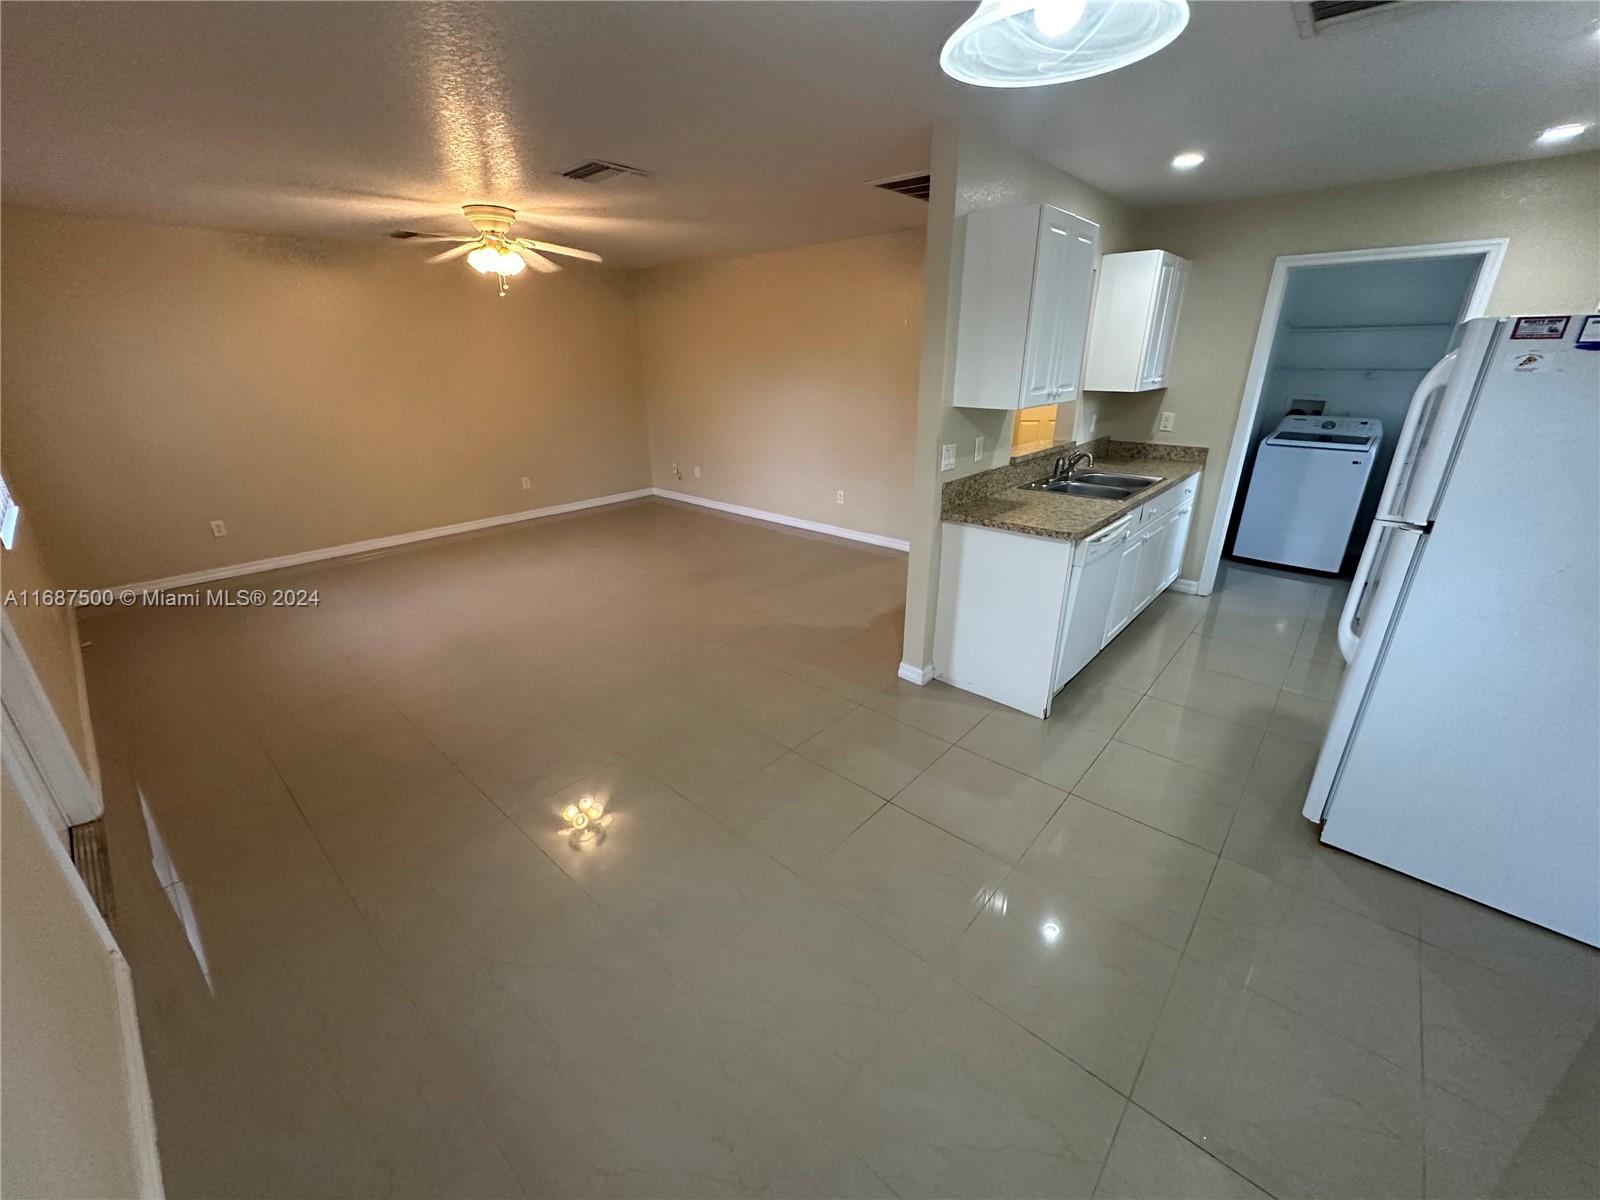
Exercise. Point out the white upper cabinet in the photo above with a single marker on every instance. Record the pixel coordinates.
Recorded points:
(1135, 321)
(1027, 276)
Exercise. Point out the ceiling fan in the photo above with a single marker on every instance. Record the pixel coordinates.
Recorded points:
(492, 250)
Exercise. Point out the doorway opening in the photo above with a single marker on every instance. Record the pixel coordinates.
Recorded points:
(1344, 340)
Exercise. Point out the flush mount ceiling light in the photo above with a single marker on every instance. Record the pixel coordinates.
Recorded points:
(1188, 160)
(1562, 133)
(1030, 43)
(492, 250)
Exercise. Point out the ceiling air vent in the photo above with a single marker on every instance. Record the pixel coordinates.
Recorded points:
(1323, 16)
(598, 170)
(915, 186)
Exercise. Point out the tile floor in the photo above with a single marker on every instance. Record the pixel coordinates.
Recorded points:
(838, 935)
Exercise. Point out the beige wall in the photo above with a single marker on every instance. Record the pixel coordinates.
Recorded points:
(1549, 208)
(72, 1089)
(972, 171)
(307, 394)
(787, 377)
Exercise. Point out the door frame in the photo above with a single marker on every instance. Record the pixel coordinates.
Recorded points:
(33, 729)
(1493, 252)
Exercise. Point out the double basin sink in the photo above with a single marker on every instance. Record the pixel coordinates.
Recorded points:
(1101, 485)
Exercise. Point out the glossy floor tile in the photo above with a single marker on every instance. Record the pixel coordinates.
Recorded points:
(1149, 1161)
(993, 807)
(820, 932)
(962, 1102)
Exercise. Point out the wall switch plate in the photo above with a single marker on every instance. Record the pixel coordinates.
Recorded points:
(219, 529)
(838, 497)
(1166, 422)
(947, 457)
(977, 449)
(697, 472)
(1094, 419)
(526, 483)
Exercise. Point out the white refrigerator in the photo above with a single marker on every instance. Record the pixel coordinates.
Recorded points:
(1464, 747)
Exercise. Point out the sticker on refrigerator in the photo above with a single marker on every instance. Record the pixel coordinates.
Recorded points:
(1589, 334)
(1540, 329)
(1529, 362)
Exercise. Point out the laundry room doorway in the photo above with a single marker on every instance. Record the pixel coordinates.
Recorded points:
(1344, 341)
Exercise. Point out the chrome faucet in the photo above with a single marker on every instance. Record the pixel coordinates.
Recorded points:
(1068, 463)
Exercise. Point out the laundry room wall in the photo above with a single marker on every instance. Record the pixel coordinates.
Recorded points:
(1358, 338)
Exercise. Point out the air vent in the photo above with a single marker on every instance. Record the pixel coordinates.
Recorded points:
(88, 847)
(915, 186)
(598, 170)
(1323, 16)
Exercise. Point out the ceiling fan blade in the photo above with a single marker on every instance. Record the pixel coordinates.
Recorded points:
(407, 234)
(453, 252)
(552, 248)
(537, 261)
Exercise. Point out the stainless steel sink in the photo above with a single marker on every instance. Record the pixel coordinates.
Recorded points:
(1133, 483)
(1077, 487)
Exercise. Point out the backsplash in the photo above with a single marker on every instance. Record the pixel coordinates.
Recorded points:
(1157, 451)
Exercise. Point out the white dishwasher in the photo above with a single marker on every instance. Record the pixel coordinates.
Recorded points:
(1094, 582)
(1305, 491)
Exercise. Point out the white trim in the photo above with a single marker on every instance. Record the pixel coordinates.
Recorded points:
(921, 676)
(21, 767)
(256, 566)
(838, 531)
(1189, 587)
(1494, 253)
(34, 733)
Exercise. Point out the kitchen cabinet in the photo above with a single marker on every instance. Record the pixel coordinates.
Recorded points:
(1135, 321)
(1027, 277)
(1125, 597)
(1153, 557)
(1020, 615)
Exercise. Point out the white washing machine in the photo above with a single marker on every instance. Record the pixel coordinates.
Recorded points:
(1304, 493)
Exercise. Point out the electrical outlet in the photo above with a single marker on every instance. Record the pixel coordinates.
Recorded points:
(1166, 422)
(697, 472)
(947, 457)
(978, 449)
(219, 529)
(526, 483)
(676, 473)
(838, 497)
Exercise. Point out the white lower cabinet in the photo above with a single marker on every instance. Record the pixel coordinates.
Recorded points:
(1125, 599)
(1020, 615)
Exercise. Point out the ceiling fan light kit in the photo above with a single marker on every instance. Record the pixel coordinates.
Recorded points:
(493, 251)
(1032, 43)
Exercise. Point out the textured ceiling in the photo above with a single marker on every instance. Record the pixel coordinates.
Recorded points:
(758, 121)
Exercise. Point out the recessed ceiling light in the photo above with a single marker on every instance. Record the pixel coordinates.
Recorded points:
(1562, 133)
(1030, 43)
(1188, 160)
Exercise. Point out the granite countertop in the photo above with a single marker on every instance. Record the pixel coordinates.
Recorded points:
(1068, 518)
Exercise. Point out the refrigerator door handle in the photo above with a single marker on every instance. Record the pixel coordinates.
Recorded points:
(1391, 504)
(1371, 554)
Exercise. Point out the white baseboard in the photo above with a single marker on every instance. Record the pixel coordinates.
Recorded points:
(257, 566)
(1189, 587)
(921, 676)
(383, 543)
(838, 531)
